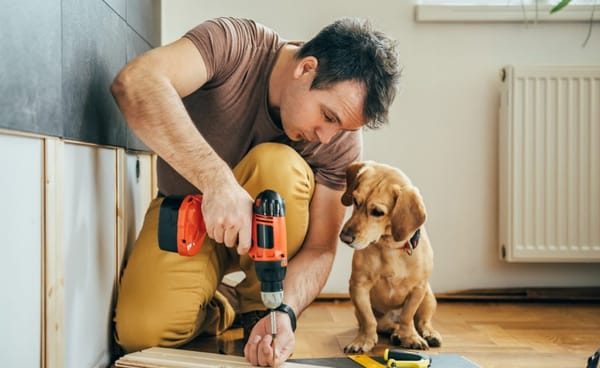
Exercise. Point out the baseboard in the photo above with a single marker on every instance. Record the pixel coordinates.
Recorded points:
(333, 296)
(584, 294)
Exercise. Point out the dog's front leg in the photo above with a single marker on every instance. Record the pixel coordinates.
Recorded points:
(406, 334)
(367, 324)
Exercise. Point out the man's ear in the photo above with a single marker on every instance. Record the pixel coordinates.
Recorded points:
(306, 65)
(351, 181)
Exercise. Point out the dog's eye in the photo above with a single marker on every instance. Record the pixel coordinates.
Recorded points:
(376, 212)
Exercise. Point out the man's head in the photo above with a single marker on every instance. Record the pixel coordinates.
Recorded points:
(351, 50)
(343, 79)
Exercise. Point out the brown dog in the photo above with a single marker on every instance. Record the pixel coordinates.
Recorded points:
(392, 260)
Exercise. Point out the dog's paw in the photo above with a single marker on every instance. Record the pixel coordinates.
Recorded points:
(413, 341)
(361, 344)
(433, 338)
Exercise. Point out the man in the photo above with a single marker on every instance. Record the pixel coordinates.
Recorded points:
(232, 109)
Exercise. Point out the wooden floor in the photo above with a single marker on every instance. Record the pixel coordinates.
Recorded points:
(490, 334)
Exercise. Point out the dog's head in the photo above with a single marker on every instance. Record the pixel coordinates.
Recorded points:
(385, 204)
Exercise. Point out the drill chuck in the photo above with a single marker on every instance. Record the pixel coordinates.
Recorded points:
(271, 275)
(273, 299)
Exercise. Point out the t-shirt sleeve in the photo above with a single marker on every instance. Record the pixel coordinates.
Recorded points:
(221, 43)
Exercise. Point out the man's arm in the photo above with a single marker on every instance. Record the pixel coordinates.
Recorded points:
(308, 271)
(306, 275)
(148, 91)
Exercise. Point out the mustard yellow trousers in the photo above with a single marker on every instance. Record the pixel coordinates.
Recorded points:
(165, 299)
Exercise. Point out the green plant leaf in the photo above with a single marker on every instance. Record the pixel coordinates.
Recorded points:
(559, 6)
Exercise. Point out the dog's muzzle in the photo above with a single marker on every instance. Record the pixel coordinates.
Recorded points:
(347, 236)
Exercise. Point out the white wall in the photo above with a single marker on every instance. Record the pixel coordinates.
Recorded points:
(443, 130)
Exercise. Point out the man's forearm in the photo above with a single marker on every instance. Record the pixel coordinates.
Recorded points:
(309, 269)
(155, 112)
(306, 276)
(149, 91)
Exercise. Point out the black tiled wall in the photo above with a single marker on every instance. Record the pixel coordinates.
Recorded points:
(58, 58)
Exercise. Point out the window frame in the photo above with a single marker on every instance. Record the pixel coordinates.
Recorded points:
(510, 11)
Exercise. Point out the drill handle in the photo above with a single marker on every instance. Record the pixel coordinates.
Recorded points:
(269, 236)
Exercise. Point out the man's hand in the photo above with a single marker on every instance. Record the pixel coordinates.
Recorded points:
(259, 348)
(227, 211)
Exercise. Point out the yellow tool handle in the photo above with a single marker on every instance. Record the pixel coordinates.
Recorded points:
(366, 361)
(407, 364)
(406, 359)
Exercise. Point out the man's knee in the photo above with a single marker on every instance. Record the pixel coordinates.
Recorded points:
(135, 331)
(280, 168)
(139, 328)
(276, 166)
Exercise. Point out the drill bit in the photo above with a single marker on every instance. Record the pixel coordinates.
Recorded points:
(273, 331)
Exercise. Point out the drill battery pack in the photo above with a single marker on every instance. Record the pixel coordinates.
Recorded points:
(181, 226)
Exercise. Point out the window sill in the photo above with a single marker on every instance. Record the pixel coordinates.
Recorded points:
(503, 13)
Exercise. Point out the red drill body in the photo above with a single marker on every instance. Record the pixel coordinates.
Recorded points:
(269, 246)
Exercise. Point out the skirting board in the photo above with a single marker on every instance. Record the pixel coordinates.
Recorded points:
(177, 358)
(557, 294)
(516, 294)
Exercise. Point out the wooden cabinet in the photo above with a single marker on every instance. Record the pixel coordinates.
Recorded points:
(69, 212)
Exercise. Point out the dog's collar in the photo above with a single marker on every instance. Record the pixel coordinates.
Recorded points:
(412, 243)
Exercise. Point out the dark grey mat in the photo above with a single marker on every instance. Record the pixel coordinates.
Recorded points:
(437, 361)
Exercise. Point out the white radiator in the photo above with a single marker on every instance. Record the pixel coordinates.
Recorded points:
(549, 179)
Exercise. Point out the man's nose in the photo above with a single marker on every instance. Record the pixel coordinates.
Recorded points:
(326, 132)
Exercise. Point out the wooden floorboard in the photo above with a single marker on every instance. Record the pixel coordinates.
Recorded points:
(490, 334)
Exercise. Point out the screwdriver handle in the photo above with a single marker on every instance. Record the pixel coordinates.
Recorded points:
(404, 355)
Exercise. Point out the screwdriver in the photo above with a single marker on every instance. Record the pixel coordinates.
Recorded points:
(273, 332)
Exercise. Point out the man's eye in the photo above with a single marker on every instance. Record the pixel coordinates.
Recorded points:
(328, 118)
(376, 213)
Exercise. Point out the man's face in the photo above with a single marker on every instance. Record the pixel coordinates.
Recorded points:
(318, 114)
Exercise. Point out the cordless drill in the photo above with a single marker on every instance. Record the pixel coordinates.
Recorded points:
(181, 229)
(269, 251)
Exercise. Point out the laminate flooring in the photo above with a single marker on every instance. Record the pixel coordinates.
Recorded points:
(490, 334)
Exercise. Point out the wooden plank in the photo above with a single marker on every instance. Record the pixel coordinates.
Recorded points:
(122, 214)
(54, 339)
(177, 358)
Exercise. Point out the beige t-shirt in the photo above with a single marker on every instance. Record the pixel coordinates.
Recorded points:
(231, 109)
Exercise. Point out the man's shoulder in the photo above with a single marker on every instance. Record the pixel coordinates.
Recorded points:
(232, 22)
(240, 25)
(232, 30)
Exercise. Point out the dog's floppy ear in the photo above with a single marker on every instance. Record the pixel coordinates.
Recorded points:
(351, 181)
(408, 213)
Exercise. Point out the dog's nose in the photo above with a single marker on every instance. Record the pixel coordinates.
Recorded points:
(347, 236)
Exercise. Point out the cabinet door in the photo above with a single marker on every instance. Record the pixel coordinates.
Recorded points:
(139, 192)
(89, 249)
(21, 244)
